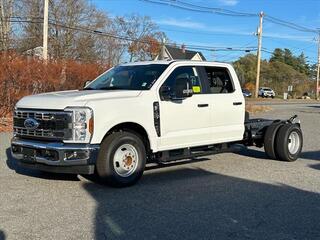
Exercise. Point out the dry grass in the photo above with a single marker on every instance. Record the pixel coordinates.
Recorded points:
(251, 108)
(5, 124)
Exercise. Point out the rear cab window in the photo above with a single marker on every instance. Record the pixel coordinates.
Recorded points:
(218, 79)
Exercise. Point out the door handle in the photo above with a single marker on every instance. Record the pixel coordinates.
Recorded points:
(237, 103)
(203, 105)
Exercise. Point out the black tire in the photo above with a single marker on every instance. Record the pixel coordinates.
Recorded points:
(282, 142)
(269, 140)
(105, 167)
(246, 116)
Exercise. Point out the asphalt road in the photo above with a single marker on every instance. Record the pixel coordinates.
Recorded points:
(240, 195)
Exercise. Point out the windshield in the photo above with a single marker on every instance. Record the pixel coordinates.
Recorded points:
(134, 77)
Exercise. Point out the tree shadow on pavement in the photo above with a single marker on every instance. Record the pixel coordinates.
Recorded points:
(192, 203)
(14, 165)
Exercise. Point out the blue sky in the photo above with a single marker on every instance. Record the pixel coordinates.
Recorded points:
(195, 28)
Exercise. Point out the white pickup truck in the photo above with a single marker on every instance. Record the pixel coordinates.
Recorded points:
(144, 112)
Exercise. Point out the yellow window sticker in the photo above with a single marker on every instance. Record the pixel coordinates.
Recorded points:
(196, 89)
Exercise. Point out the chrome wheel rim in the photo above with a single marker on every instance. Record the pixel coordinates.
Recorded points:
(294, 142)
(125, 160)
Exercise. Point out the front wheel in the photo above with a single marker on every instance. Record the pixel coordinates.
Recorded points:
(122, 159)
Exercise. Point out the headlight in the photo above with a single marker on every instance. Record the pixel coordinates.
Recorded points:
(82, 124)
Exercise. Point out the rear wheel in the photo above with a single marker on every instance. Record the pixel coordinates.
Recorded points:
(269, 140)
(121, 159)
(289, 142)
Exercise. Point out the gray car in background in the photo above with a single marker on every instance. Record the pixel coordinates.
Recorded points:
(246, 92)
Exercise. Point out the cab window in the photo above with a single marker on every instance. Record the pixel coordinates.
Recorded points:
(219, 80)
(185, 73)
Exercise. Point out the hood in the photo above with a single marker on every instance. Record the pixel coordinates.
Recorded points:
(60, 100)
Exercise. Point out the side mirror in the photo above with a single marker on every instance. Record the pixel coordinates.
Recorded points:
(183, 88)
(86, 83)
(165, 93)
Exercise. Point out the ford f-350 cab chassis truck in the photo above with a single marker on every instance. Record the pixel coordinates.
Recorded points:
(143, 112)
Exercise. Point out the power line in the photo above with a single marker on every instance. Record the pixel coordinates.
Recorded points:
(198, 8)
(228, 54)
(212, 9)
(112, 35)
(38, 20)
(296, 48)
(289, 24)
(231, 57)
(206, 32)
(221, 11)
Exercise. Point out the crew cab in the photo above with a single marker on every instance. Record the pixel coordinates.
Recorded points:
(143, 112)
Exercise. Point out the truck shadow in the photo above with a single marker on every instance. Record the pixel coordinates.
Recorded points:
(14, 165)
(314, 106)
(311, 155)
(192, 203)
(315, 166)
(253, 153)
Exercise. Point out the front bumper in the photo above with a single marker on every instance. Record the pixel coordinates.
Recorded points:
(55, 156)
(268, 94)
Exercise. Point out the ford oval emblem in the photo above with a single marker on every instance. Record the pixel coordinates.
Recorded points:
(31, 124)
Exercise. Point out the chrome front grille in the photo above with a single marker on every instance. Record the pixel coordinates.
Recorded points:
(53, 125)
(35, 115)
(36, 133)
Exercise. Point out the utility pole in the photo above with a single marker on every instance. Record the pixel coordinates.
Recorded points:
(45, 30)
(318, 68)
(259, 34)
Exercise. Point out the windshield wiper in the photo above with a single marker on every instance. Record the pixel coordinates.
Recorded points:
(109, 88)
(112, 88)
(105, 88)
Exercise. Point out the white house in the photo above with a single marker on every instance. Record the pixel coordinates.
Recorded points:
(175, 53)
(36, 52)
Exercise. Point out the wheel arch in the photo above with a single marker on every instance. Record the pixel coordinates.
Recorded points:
(134, 128)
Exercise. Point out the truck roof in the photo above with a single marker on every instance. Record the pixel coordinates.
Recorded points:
(171, 61)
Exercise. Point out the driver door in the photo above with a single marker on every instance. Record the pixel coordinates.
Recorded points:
(185, 122)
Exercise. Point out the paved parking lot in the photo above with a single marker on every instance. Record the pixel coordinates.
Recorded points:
(239, 195)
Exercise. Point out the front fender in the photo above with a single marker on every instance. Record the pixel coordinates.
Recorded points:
(101, 131)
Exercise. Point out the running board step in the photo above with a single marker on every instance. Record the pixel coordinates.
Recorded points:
(187, 153)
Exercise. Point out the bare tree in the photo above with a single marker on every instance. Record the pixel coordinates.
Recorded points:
(148, 47)
(140, 29)
(6, 12)
(76, 32)
(66, 42)
(31, 36)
